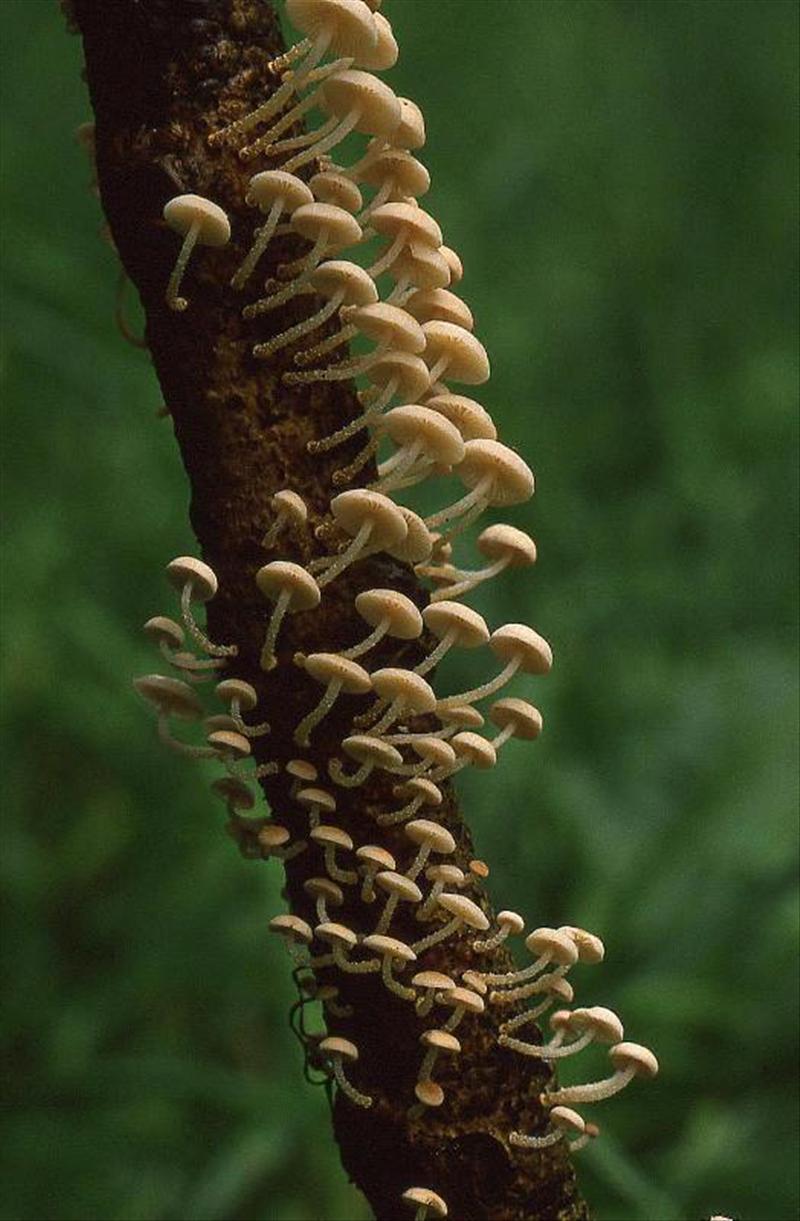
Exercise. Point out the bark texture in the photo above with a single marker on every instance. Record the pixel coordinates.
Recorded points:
(163, 74)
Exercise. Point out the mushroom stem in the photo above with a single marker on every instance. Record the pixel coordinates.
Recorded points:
(522, 1019)
(386, 916)
(394, 985)
(482, 693)
(174, 301)
(592, 1091)
(445, 644)
(347, 473)
(392, 713)
(369, 642)
(309, 355)
(342, 129)
(302, 328)
(182, 748)
(367, 966)
(403, 815)
(464, 580)
(521, 1141)
(420, 861)
(346, 557)
(345, 876)
(477, 495)
(264, 236)
(199, 637)
(302, 734)
(267, 660)
(441, 934)
(491, 943)
(553, 1050)
(342, 371)
(361, 1100)
(390, 254)
(338, 776)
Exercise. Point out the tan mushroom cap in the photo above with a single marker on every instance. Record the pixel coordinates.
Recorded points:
(412, 424)
(279, 575)
(466, 355)
(526, 720)
(409, 371)
(409, 176)
(479, 869)
(454, 263)
(517, 640)
(464, 909)
(234, 791)
(170, 696)
(292, 928)
(442, 1040)
(365, 749)
(427, 304)
(231, 689)
(335, 933)
(228, 742)
(313, 798)
(450, 875)
(219, 721)
(390, 219)
(422, 266)
(472, 421)
(479, 751)
(301, 769)
(423, 831)
(474, 982)
(330, 187)
(557, 945)
(264, 188)
(434, 981)
(392, 683)
(605, 1025)
(512, 921)
(273, 836)
(561, 1020)
(417, 545)
(512, 480)
(332, 668)
(399, 885)
(469, 627)
(410, 132)
(349, 90)
(461, 714)
(291, 506)
(352, 26)
(565, 1119)
(353, 509)
(384, 323)
(434, 751)
(419, 786)
(389, 947)
(635, 1056)
(316, 220)
(331, 837)
(375, 857)
(338, 275)
(186, 569)
(429, 1093)
(464, 998)
(334, 1045)
(377, 605)
(386, 51)
(184, 211)
(502, 541)
(590, 946)
(324, 888)
(163, 629)
(556, 985)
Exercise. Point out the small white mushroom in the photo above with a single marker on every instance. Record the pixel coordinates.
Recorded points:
(431, 984)
(328, 229)
(629, 1060)
(440, 876)
(429, 837)
(504, 547)
(369, 752)
(291, 589)
(494, 474)
(454, 626)
(388, 613)
(521, 648)
(391, 951)
(323, 891)
(315, 801)
(461, 1001)
(464, 914)
(291, 513)
(342, 283)
(426, 442)
(332, 839)
(509, 924)
(196, 582)
(390, 328)
(597, 1023)
(436, 1042)
(549, 945)
(296, 933)
(370, 519)
(172, 698)
(198, 220)
(399, 889)
(339, 674)
(404, 692)
(240, 697)
(274, 193)
(562, 1121)
(337, 1051)
(515, 718)
(372, 860)
(417, 793)
(426, 1203)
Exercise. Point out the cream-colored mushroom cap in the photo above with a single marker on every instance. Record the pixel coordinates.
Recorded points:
(442, 1040)
(411, 424)
(427, 304)
(450, 875)
(526, 720)
(291, 506)
(349, 90)
(332, 668)
(392, 683)
(389, 947)
(229, 743)
(421, 265)
(430, 1093)
(333, 837)
(313, 798)
(512, 921)
(590, 947)
(184, 211)
(633, 1055)
(376, 857)
(408, 175)
(479, 869)
(417, 545)
(231, 689)
(186, 569)
(474, 982)
(419, 786)
(330, 187)
(501, 542)
(461, 714)
(464, 997)
(464, 909)
(352, 24)
(338, 275)
(353, 509)
(466, 355)
(264, 188)
(366, 749)
(469, 627)
(604, 1023)
(472, 421)
(164, 630)
(301, 769)
(273, 836)
(410, 131)
(292, 928)
(398, 884)
(391, 218)
(335, 933)
(333, 1045)
(556, 985)
(434, 751)
(170, 696)
(386, 51)
(454, 263)
(409, 372)
(234, 791)
(423, 831)
(272, 579)
(314, 220)
(384, 323)
(435, 981)
(479, 751)
(561, 1020)
(324, 888)
(566, 1119)
(511, 478)
(219, 721)
(558, 946)
(376, 605)
(517, 640)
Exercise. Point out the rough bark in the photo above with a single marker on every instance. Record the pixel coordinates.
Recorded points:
(162, 75)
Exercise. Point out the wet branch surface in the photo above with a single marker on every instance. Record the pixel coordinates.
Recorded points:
(162, 75)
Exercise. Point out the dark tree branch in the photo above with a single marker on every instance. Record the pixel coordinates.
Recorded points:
(162, 75)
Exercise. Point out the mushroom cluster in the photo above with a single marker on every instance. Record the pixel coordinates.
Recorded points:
(366, 885)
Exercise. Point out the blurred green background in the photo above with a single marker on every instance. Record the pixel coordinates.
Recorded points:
(619, 178)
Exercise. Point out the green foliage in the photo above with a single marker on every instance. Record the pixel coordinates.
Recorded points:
(617, 175)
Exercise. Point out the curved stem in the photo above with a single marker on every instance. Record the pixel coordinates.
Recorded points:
(173, 284)
(263, 239)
